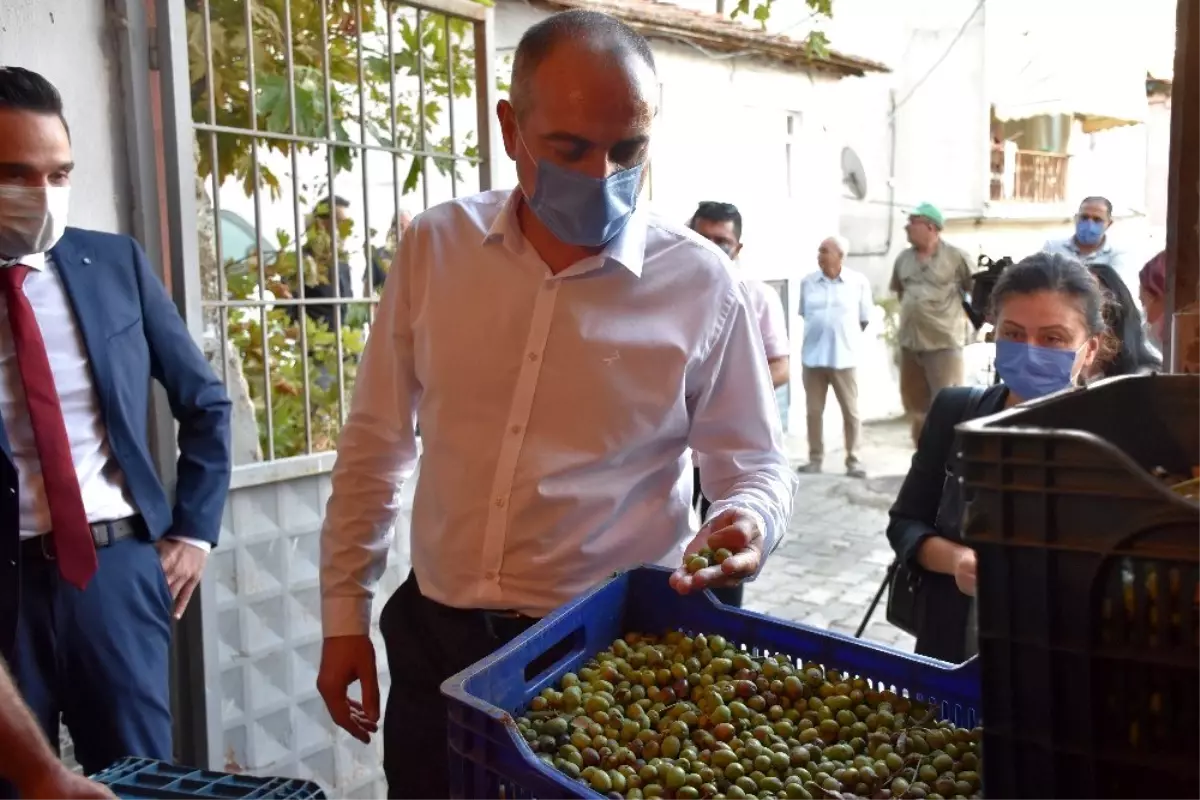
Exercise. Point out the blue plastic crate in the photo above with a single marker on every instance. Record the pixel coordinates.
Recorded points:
(488, 756)
(135, 778)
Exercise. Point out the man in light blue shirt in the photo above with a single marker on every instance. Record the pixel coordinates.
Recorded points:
(1090, 243)
(835, 303)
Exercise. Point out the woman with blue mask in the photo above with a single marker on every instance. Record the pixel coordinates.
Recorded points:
(1049, 316)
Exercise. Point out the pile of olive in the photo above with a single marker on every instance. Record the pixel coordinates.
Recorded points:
(683, 717)
(707, 558)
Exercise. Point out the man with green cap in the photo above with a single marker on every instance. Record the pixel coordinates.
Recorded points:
(930, 278)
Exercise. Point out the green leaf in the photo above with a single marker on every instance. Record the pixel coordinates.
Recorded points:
(817, 45)
(414, 174)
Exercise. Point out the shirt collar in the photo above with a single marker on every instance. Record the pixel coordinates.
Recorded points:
(35, 261)
(1073, 246)
(627, 248)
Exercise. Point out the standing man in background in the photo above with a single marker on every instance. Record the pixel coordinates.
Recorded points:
(1089, 244)
(930, 278)
(721, 224)
(95, 560)
(835, 303)
(326, 273)
(381, 259)
(603, 345)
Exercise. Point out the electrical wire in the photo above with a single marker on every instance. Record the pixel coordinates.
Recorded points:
(953, 42)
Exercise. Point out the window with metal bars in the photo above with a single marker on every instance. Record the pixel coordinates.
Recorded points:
(321, 127)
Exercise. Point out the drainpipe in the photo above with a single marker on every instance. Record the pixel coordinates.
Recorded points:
(891, 203)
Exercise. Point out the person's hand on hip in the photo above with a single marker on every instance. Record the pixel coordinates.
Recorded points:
(345, 660)
(733, 530)
(183, 564)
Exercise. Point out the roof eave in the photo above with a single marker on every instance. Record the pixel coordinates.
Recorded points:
(789, 54)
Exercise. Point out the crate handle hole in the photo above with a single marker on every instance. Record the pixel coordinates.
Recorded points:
(565, 649)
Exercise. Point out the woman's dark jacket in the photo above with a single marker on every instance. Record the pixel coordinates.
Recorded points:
(930, 504)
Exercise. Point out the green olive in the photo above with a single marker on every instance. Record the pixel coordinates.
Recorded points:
(694, 716)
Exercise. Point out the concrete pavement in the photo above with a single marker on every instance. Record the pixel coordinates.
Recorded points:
(832, 562)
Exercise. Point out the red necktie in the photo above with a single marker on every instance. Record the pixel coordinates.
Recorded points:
(74, 547)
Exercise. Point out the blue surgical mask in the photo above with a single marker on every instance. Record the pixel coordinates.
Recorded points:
(1089, 231)
(1031, 372)
(581, 210)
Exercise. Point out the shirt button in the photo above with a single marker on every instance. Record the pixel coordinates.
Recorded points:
(533, 356)
(490, 574)
(515, 429)
(499, 502)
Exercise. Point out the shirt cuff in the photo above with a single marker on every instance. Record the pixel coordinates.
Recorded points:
(345, 616)
(199, 544)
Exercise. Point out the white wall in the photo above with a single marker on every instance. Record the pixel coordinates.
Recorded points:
(34, 35)
(940, 124)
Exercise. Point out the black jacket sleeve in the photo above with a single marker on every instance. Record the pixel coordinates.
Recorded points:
(914, 514)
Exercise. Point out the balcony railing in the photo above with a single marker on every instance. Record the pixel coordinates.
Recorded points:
(1027, 176)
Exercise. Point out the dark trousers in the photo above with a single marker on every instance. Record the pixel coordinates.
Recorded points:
(426, 644)
(99, 657)
(732, 595)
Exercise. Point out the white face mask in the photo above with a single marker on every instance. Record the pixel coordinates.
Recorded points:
(32, 218)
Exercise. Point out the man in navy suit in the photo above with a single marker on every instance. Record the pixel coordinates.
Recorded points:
(94, 559)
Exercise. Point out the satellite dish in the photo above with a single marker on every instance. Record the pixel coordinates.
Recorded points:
(854, 177)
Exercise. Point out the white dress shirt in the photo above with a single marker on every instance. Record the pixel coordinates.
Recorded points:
(834, 313)
(766, 307)
(556, 412)
(105, 496)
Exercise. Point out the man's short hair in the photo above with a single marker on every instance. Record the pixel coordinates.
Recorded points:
(324, 208)
(601, 31)
(1104, 201)
(25, 90)
(712, 211)
(843, 244)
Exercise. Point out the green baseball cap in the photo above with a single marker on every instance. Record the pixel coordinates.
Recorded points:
(930, 212)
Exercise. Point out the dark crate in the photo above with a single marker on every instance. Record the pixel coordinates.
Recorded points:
(143, 777)
(1089, 630)
(488, 757)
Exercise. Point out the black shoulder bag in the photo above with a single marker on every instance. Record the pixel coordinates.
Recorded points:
(903, 610)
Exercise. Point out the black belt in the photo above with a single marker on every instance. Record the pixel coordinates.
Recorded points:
(502, 625)
(104, 534)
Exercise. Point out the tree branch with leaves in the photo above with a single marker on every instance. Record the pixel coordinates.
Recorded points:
(370, 96)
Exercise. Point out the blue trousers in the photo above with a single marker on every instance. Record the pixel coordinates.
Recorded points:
(99, 657)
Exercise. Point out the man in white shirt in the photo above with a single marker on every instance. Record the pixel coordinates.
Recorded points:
(562, 351)
(721, 224)
(835, 303)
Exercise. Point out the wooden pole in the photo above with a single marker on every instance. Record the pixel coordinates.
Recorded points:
(1183, 192)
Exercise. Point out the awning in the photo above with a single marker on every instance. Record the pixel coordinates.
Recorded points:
(1047, 62)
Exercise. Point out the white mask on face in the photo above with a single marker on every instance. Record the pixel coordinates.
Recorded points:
(32, 218)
